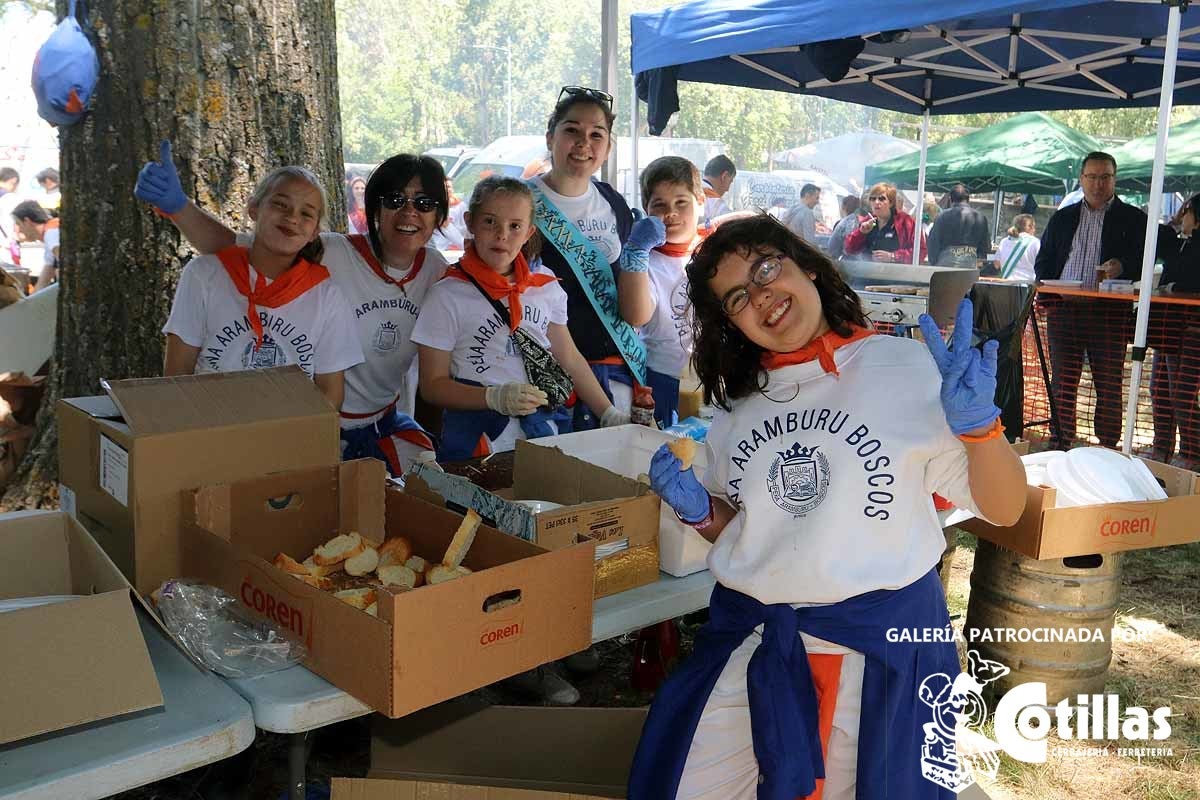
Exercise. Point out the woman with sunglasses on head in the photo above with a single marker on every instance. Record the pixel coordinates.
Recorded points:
(886, 233)
(592, 244)
(817, 498)
(384, 276)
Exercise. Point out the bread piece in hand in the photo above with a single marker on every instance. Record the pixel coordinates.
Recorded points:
(396, 550)
(319, 571)
(440, 573)
(464, 537)
(398, 575)
(290, 565)
(684, 449)
(338, 549)
(419, 566)
(359, 598)
(362, 564)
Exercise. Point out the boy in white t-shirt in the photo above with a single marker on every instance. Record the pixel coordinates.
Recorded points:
(469, 360)
(268, 305)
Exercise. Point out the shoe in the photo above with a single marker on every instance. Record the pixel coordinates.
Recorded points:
(585, 662)
(545, 685)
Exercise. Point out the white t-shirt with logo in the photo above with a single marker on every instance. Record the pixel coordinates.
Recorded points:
(313, 331)
(833, 486)
(592, 214)
(457, 318)
(51, 241)
(668, 334)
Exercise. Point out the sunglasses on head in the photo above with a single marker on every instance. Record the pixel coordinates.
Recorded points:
(398, 200)
(603, 98)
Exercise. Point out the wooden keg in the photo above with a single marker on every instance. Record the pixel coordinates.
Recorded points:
(944, 565)
(1047, 621)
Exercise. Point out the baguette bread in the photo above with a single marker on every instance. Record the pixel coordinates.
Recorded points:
(362, 564)
(398, 575)
(372, 609)
(324, 584)
(440, 573)
(464, 537)
(359, 598)
(396, 550)
(319, 571)
(338, 549)
(290, 565)
(418, 565)
(684, 449)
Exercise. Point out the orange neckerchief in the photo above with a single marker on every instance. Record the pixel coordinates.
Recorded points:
(295, 281)
(820, 348)
(677, 250)
(497, 285)
(711, 193)
(363, 246)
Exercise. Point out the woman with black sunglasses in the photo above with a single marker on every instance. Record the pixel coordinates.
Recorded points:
(384, 276)
(593, 245)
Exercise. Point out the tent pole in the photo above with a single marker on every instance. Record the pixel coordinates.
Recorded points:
(920, 209)
(997, 210)
(1171, 50)
(632, 183)
(608, 74)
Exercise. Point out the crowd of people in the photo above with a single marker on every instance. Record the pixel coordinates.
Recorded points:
(30, 218)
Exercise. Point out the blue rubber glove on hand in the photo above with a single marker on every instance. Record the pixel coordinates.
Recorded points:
(678, 488)
(968, 377)
(158, 183)
(647, 233)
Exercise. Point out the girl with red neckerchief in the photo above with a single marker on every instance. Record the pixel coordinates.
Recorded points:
(822, 456)
(469, 363)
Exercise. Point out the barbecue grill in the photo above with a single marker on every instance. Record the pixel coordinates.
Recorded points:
(900, 293)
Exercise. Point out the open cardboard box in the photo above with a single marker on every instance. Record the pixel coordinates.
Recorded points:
(426, 645)
(456, 750)
(125, 457)
(597, 505)
(1044, 531)
(71, 662)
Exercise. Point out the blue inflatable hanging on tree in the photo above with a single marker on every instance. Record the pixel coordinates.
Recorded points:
(65, 72)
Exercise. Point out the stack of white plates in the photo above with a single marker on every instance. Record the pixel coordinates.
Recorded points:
(1093, 475)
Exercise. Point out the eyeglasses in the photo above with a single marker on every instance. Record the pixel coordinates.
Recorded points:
(398, 200)
(762, 273)
(603, 98)
(882, 198)
(1104, 177)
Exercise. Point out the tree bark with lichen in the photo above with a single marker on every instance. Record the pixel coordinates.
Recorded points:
(239, 88)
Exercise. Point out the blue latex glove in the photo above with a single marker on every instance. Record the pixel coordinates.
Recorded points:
(678, 488)
(158, 183)
(647, 233)
(968, 377)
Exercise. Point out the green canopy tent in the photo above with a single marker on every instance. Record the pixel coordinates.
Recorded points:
(1135, 161)
(1029, 153)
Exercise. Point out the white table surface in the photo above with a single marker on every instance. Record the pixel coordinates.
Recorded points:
(201, 721)
(296, 700)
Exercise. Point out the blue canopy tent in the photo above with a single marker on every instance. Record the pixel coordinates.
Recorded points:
(934, 57)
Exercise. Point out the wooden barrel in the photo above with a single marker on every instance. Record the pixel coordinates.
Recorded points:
(944, 565)
(1047, 621)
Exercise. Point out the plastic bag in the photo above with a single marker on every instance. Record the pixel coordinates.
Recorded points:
(221, 634)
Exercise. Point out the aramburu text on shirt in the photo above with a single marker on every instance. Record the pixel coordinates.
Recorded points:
(279, 336)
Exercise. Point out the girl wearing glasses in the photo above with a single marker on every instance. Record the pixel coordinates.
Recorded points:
(579, 138)
(886, 233)
(383, 275)
(825, 538)
(270, 304)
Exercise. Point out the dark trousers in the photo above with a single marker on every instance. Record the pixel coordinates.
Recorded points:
(1174, 384)
(1097, 330)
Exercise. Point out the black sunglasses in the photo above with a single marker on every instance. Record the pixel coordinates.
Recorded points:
(604, 98)
(398, 200)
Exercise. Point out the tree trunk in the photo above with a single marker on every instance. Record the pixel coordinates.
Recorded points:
(239, 88)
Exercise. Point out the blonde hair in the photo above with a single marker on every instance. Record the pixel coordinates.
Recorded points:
(1022, 223)
(503, 184)
(314, 249)
(886, 189)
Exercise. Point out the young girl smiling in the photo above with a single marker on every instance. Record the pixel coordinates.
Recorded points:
(469, 363)
(817, 501)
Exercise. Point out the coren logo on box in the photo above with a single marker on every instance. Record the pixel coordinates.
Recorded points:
(500, 633)
(1143, 526)
(264, 601)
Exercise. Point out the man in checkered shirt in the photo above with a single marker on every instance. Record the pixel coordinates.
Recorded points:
(1096, 238)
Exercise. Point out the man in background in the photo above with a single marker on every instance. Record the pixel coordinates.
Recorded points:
(960, 235)
(803, 220)
(719, 173)
(48, 180)
(851, 207)
(10, 248)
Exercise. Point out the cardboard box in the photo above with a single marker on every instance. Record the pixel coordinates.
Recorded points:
(627, 450)
(125, 457)
(597, 505)
(1044, 531)
(455, 750)
(71, 662)
(426, 645)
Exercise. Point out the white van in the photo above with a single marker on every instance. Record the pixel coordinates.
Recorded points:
(527, 156)
(453, 159)
(779, 192)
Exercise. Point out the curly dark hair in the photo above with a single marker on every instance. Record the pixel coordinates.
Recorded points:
(728, 364)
